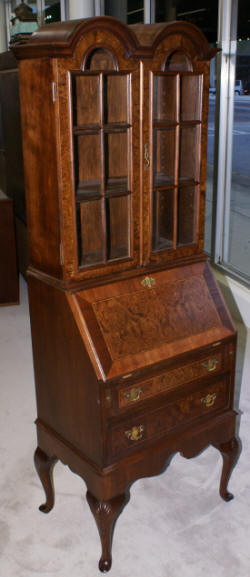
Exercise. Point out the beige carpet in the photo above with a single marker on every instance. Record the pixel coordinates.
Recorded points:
(175, 525)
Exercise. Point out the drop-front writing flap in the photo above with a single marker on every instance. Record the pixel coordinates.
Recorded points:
(138, 322)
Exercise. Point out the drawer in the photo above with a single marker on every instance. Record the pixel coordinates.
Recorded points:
(200, 402)
(131, 395)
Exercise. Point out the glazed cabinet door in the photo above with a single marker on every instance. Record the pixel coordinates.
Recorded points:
(104, 173)
(175, 129)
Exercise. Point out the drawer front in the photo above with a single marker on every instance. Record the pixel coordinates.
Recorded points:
(183, 410)
(170, 380)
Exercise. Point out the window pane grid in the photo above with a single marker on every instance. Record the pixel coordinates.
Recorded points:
(176, 145)
(102, 139)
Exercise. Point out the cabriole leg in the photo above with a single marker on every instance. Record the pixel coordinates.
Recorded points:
(106, 514)
(44, 466)
(230, 452)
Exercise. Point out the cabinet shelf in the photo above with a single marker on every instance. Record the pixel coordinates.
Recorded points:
(116, 186)
(183, 181)
(162, 245)
(172, 124)
(87, 129)
(91, 190)
(162, 182)
(164, 123)
(95, 128)
(165, 184)
(190, 122)
(116, 127)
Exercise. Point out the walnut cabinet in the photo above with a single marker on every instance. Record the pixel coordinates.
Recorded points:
(134, 349)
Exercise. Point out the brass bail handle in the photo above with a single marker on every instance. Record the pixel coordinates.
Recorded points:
(209, 400)
(134, 394)
(146, 156)
(211, 364)
(135, 434)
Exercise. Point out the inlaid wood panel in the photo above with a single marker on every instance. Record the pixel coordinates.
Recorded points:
(172, 379)
(131, 325)
(136, 430)
(147, 318)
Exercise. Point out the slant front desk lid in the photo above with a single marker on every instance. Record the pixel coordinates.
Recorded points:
(142, 321)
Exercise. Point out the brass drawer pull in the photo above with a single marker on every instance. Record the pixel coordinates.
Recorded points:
(210, 365)
(133, 394)
(209, 400)
(135, 434)
(148, 282)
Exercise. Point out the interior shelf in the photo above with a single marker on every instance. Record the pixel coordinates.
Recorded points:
(89, 188)
(86, 129)
(163, 181)
(164, 124)
(116, 186)
(116, 127)
(185, 181)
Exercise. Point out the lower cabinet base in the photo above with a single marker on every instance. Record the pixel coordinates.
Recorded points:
(108, 487)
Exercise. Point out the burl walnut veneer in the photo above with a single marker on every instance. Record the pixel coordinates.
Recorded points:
(134, 349)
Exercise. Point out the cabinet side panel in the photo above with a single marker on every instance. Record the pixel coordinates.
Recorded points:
(39, 130)
(67, 389)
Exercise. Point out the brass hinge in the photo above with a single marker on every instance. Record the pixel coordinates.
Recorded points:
(61, 254)
(146, 156)
(53, 92)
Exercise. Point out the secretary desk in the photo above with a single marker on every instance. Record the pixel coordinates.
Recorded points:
(134, 349)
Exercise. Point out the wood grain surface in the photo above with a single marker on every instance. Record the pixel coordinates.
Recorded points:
(123, 305)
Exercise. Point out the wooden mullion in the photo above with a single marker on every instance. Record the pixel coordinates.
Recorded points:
(116, 127)
(102, 179)
(177, 160)
(190, 122)
(86, 129)
(164, 124)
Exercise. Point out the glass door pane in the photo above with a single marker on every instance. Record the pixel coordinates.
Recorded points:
(88, 164)
(187, 215)
(116, 98)
(177, 115)
(205, 16)
(116, 161)
(165, 98)
(189, 153)
(90, 233)
(118, 227)
(163, 219)
(164, 156)
(102, 141)
(86, 110)
(191, 97)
